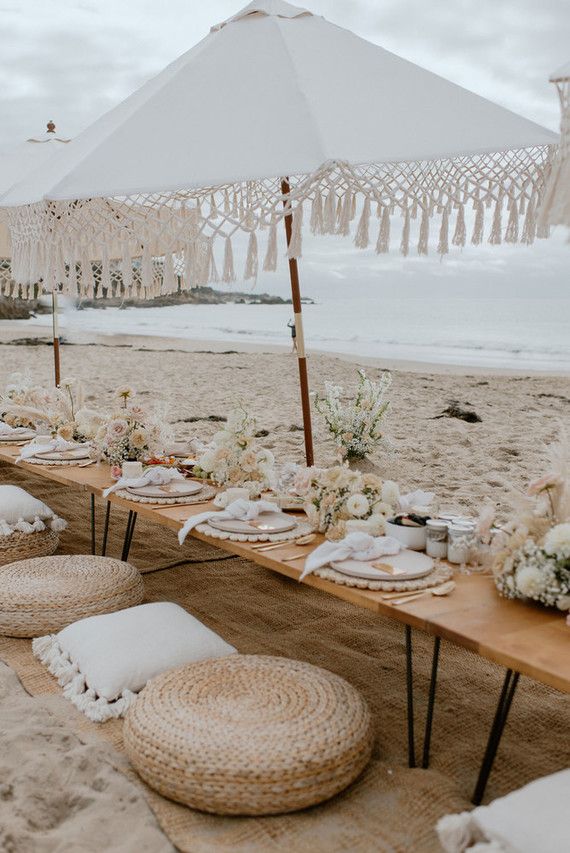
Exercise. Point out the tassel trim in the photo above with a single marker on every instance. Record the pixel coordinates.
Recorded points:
(96, 708)
(55, 523)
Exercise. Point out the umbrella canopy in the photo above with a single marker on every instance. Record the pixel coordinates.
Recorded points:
(556, 208)
(15, 164)
(274, 91)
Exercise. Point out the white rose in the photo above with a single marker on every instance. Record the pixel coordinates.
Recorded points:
(390, 493)
(530, 581)
(557, 541)
(357, 505)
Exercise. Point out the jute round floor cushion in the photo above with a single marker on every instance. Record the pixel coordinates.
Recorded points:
(43, 595)
(248, 735)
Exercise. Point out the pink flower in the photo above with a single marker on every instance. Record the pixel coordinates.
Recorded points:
(117, 428)
(116, 472)
(543, 483)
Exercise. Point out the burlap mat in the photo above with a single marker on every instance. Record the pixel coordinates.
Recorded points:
(390, 808)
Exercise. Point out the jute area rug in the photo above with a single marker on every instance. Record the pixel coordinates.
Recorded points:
(390, 808)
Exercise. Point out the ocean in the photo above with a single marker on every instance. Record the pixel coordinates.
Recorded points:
(499, 307)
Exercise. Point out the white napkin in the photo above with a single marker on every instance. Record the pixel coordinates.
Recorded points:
(35, 447)
(355, 546)
(154, 476)
(6, 429)
(416, 500)
(241, 509)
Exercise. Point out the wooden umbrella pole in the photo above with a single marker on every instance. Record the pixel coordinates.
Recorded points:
(298, 318)
(55, 324)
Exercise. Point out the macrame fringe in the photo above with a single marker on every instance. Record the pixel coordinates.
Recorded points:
(512, 232)
(383, 241)
(443, 244)
(329, 215)
(495, 236)
(49, 652)
(362, 233)
(270, 262)
(296, 244)
(317, 213)
(228, 273)
(459, 234)
(55, 523)
(251, 259)
(405, 241)
(479, 224)
(424, 232)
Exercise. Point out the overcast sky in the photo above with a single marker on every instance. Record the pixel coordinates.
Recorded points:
(71, 60)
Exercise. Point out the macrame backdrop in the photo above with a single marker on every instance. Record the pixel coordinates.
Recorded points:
(153, 244)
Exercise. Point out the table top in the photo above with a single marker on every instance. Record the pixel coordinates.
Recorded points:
(532, 640)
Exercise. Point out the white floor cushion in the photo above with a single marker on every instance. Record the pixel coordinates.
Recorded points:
(22, 512)
(103, 661)
(533, 819)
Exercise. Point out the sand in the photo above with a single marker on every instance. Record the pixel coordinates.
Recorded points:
(463, 463)
(60, 793)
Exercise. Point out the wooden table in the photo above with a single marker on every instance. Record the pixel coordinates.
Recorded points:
(525, 639)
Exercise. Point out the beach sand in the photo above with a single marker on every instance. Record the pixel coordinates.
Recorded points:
(463, 463)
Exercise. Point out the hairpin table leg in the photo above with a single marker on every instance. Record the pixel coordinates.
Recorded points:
(410, 698)
(106, 529)
(501, 714)
(129, 535)
(431, 702)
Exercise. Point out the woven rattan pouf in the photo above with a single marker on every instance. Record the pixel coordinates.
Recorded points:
(248, 735)
(23, 546)
(43, 595)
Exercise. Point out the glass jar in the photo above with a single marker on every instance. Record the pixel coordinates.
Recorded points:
(436, 541)
(461, 539)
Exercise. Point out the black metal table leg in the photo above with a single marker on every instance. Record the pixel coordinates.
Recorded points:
(129, 534)
(431, 702)
(410, 698)
(499, 721)
(92, 524)
(106, 529)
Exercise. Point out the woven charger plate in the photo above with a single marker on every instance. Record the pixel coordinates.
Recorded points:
(33, 460)
(302, 528)
(206, 493)
(440, 574)
(248, 734)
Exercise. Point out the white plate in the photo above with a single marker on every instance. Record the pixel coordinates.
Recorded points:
(267, 522)
(76, 453)
(408, 564)
(23, 435)
(176, 489)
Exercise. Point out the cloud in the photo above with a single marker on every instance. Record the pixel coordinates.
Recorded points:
(72, 60)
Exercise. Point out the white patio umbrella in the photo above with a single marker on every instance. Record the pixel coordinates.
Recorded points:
(273, 109)
(15, 165)
(556, 207)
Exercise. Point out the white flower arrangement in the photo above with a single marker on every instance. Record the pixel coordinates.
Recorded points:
(338, 500)
(235, 457)
(532, 559)
(57, 410)
(131, 432)
(356, 424)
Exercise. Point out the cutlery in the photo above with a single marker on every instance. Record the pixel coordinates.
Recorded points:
(444, 589)
(302, 540)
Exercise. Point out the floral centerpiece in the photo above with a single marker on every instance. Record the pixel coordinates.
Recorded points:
(532, 558)
(356, 425)
(131, 432)
(59, 411)
(235, 457)
(339, 501)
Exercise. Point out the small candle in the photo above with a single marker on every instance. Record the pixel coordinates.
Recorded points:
(132, 470)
